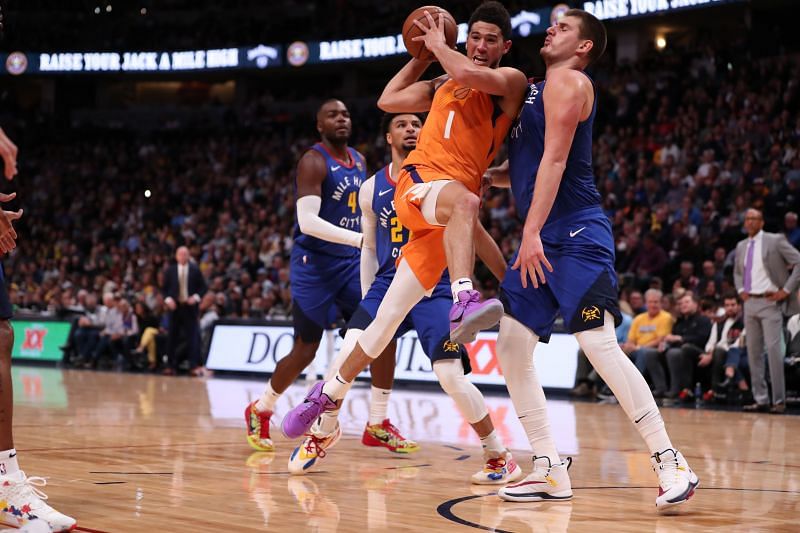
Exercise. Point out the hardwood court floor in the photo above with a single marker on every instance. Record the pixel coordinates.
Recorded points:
(127, 452)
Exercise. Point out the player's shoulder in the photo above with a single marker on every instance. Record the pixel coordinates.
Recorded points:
(567, 78)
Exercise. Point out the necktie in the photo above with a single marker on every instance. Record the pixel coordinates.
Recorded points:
(748, 266)
(183, 293)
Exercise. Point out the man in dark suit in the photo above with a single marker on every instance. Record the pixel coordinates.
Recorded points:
(766, 273)
(184, 287)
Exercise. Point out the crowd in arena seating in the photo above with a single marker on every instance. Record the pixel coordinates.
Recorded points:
(678, 159)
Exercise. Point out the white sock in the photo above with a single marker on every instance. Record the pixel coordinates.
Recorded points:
(492, 442)
(378, 405)
(515, 345)
(268, 399)
(8, 462)
(626, 382)
(461, 284)
(328, 421)
(337, 388)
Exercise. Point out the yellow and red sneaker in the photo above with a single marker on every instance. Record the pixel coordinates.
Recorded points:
(388, 436)
(258, 429)
(312, 450)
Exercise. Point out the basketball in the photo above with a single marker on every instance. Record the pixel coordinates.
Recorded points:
(410, 30)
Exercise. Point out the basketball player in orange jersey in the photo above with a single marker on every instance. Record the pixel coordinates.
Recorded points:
(436, 198)
(22, 503)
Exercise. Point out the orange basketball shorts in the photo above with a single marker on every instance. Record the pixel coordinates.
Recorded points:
(424, 250)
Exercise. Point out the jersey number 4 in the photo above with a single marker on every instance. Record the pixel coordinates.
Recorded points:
(352, 201)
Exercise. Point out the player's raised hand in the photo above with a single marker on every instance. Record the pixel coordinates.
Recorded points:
(8, 151)
(531, 260)
(433, 33)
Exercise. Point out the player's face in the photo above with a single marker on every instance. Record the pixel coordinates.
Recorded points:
(485, 44)
(333, 122)
(403, 132)
(562, 40)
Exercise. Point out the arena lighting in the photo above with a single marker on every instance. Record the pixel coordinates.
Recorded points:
(147, 193)
(661, 42)
(97, 10)
(143, 11)
(108, 8)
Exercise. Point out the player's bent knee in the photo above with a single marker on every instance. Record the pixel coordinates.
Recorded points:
(454, 382)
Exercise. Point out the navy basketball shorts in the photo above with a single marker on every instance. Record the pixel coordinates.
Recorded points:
(583, 284)
(322, 285)
(429, 318)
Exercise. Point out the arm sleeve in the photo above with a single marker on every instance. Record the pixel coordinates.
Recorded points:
(311, 224)
(369, 222)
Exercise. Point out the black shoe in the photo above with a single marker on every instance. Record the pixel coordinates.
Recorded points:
(778, 409)
(756, 408)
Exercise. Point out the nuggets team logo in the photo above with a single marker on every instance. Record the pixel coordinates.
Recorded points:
(462, 92)
(358, 166)
(590, 313)
(558, 12)
(34, 339)
(450, 346)
(16, 63)
(297, 54)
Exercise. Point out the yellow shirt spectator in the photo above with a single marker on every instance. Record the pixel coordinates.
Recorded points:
(646, 329)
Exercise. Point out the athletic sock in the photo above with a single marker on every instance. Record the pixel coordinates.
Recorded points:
(268, 399)
(337, 388)
(8, 462)
(492, 443)
(378, 405)
(461, 284)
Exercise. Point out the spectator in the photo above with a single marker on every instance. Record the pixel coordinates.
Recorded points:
(790, 229)
(649, 260)
(184, 286)
(724, 336)
(766, 273)
(646, 333)
(683, 347)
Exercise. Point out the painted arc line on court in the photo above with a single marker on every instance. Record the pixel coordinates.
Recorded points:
(445, 511)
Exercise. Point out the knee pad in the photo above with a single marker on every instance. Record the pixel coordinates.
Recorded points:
(468, 398)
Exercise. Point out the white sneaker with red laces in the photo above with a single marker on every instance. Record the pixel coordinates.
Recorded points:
(498, 469)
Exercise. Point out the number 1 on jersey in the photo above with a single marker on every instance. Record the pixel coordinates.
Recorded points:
(449, 125)
(352, 201)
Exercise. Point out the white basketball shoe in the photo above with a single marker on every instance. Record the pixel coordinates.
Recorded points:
(547, 482)
(21, 501)
(313, 449)
(676, 481)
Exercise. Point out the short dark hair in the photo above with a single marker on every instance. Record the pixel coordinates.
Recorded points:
(730, 295)
(592, 30)
(493, 13)
(386, 121)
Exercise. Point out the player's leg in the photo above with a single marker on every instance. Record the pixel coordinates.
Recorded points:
(404, 292)
(451, 365)
(549, 480)
(630, 388)
(427, 207)
(22, 495)
(315, 281)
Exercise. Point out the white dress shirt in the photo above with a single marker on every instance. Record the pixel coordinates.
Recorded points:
(759, 280)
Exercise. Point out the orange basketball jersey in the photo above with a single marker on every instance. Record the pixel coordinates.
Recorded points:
(461, 136)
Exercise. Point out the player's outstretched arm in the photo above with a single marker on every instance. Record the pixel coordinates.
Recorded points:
(8, 236)
(369, 224)
(405, 93)
(8, 152)
(311, 172)
(487, 250)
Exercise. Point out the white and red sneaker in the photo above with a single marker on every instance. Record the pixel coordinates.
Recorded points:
(498, 469)
(22, 501)
(547, 482)
(676, 481)
(312, 450)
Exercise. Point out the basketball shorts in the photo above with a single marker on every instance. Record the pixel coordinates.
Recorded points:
(322, 286)
(583, 284)
(429, 318)
(6, 309)
(424, 250)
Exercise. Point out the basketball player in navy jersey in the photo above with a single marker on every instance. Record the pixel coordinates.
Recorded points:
(324, 268)
(565, 264)
(384, 236)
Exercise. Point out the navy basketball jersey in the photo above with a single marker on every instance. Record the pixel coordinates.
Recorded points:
(339, 201)
(390, 235)
(526, 147)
